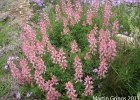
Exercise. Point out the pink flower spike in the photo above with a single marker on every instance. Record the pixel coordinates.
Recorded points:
(74, 47)
(70, 91)
(88, 86)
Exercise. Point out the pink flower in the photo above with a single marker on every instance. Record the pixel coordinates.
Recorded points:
(39, 80)
(54, 53)
(52, 93)
(84, 23)
(77, 62)
(58, 13)
(70, 91)
(89, 16)
(74, 47)
(65, 29)
(96, 7)
(45, 38)
(78, 74)
(92, 40)
(78, 69)
(25, 70)
(16, 73)
(107, 11)
(39, 65)
(102, 68)
(28, 47)
(40, 48)
(107, 51)
(88, 86)
(87, 56)
(31, 37)
(61, 58)
(111, 50)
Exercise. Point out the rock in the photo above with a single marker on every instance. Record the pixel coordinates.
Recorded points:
(12, 17)
(4, 16)
(126, 41)
(2, 3)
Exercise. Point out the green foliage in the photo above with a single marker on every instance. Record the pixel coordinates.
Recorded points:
(134, 22)
(4, 88)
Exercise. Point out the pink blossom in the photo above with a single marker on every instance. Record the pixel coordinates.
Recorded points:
(40, 48)
(31, 37)
(111, 50)
(16, 73)
(92, 40)
(25, 70)
(78, 69)
(102, 68)
(107, 11)
(74, 47)
(70, 91)
(54, 53)
(89, 16)
(77, 61)
(52, 93)
(88, 86)
(87, 56)
(62, 59)
(39, 65)
(45, 38)
(58, 13)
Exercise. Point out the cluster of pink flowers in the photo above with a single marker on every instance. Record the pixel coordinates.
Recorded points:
(74, 47)
(78, 69)
(89, 16)
(71, 91)
(52, 93)
(107, 11)
(73, 16)
(92, 40)
(45, 38)
(58, 57)
(28, 46)
(87, 56)
(88, 86)
(107, 51)
(58, 13)
(16, 73)
(65, 29)
(91, 13)
(62, 59)
(25, 70)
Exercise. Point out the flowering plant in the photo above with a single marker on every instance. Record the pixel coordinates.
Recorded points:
(62, 56)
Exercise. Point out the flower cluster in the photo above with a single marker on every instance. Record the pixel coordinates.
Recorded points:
(52, 93)
(74, 47)
(70, 91)
(16, 73)
(92, 40)
(62, 59)
(107, 11)
(78, 69)
(58, 13)
(88, 86)
(107, 51)
(25, 70)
